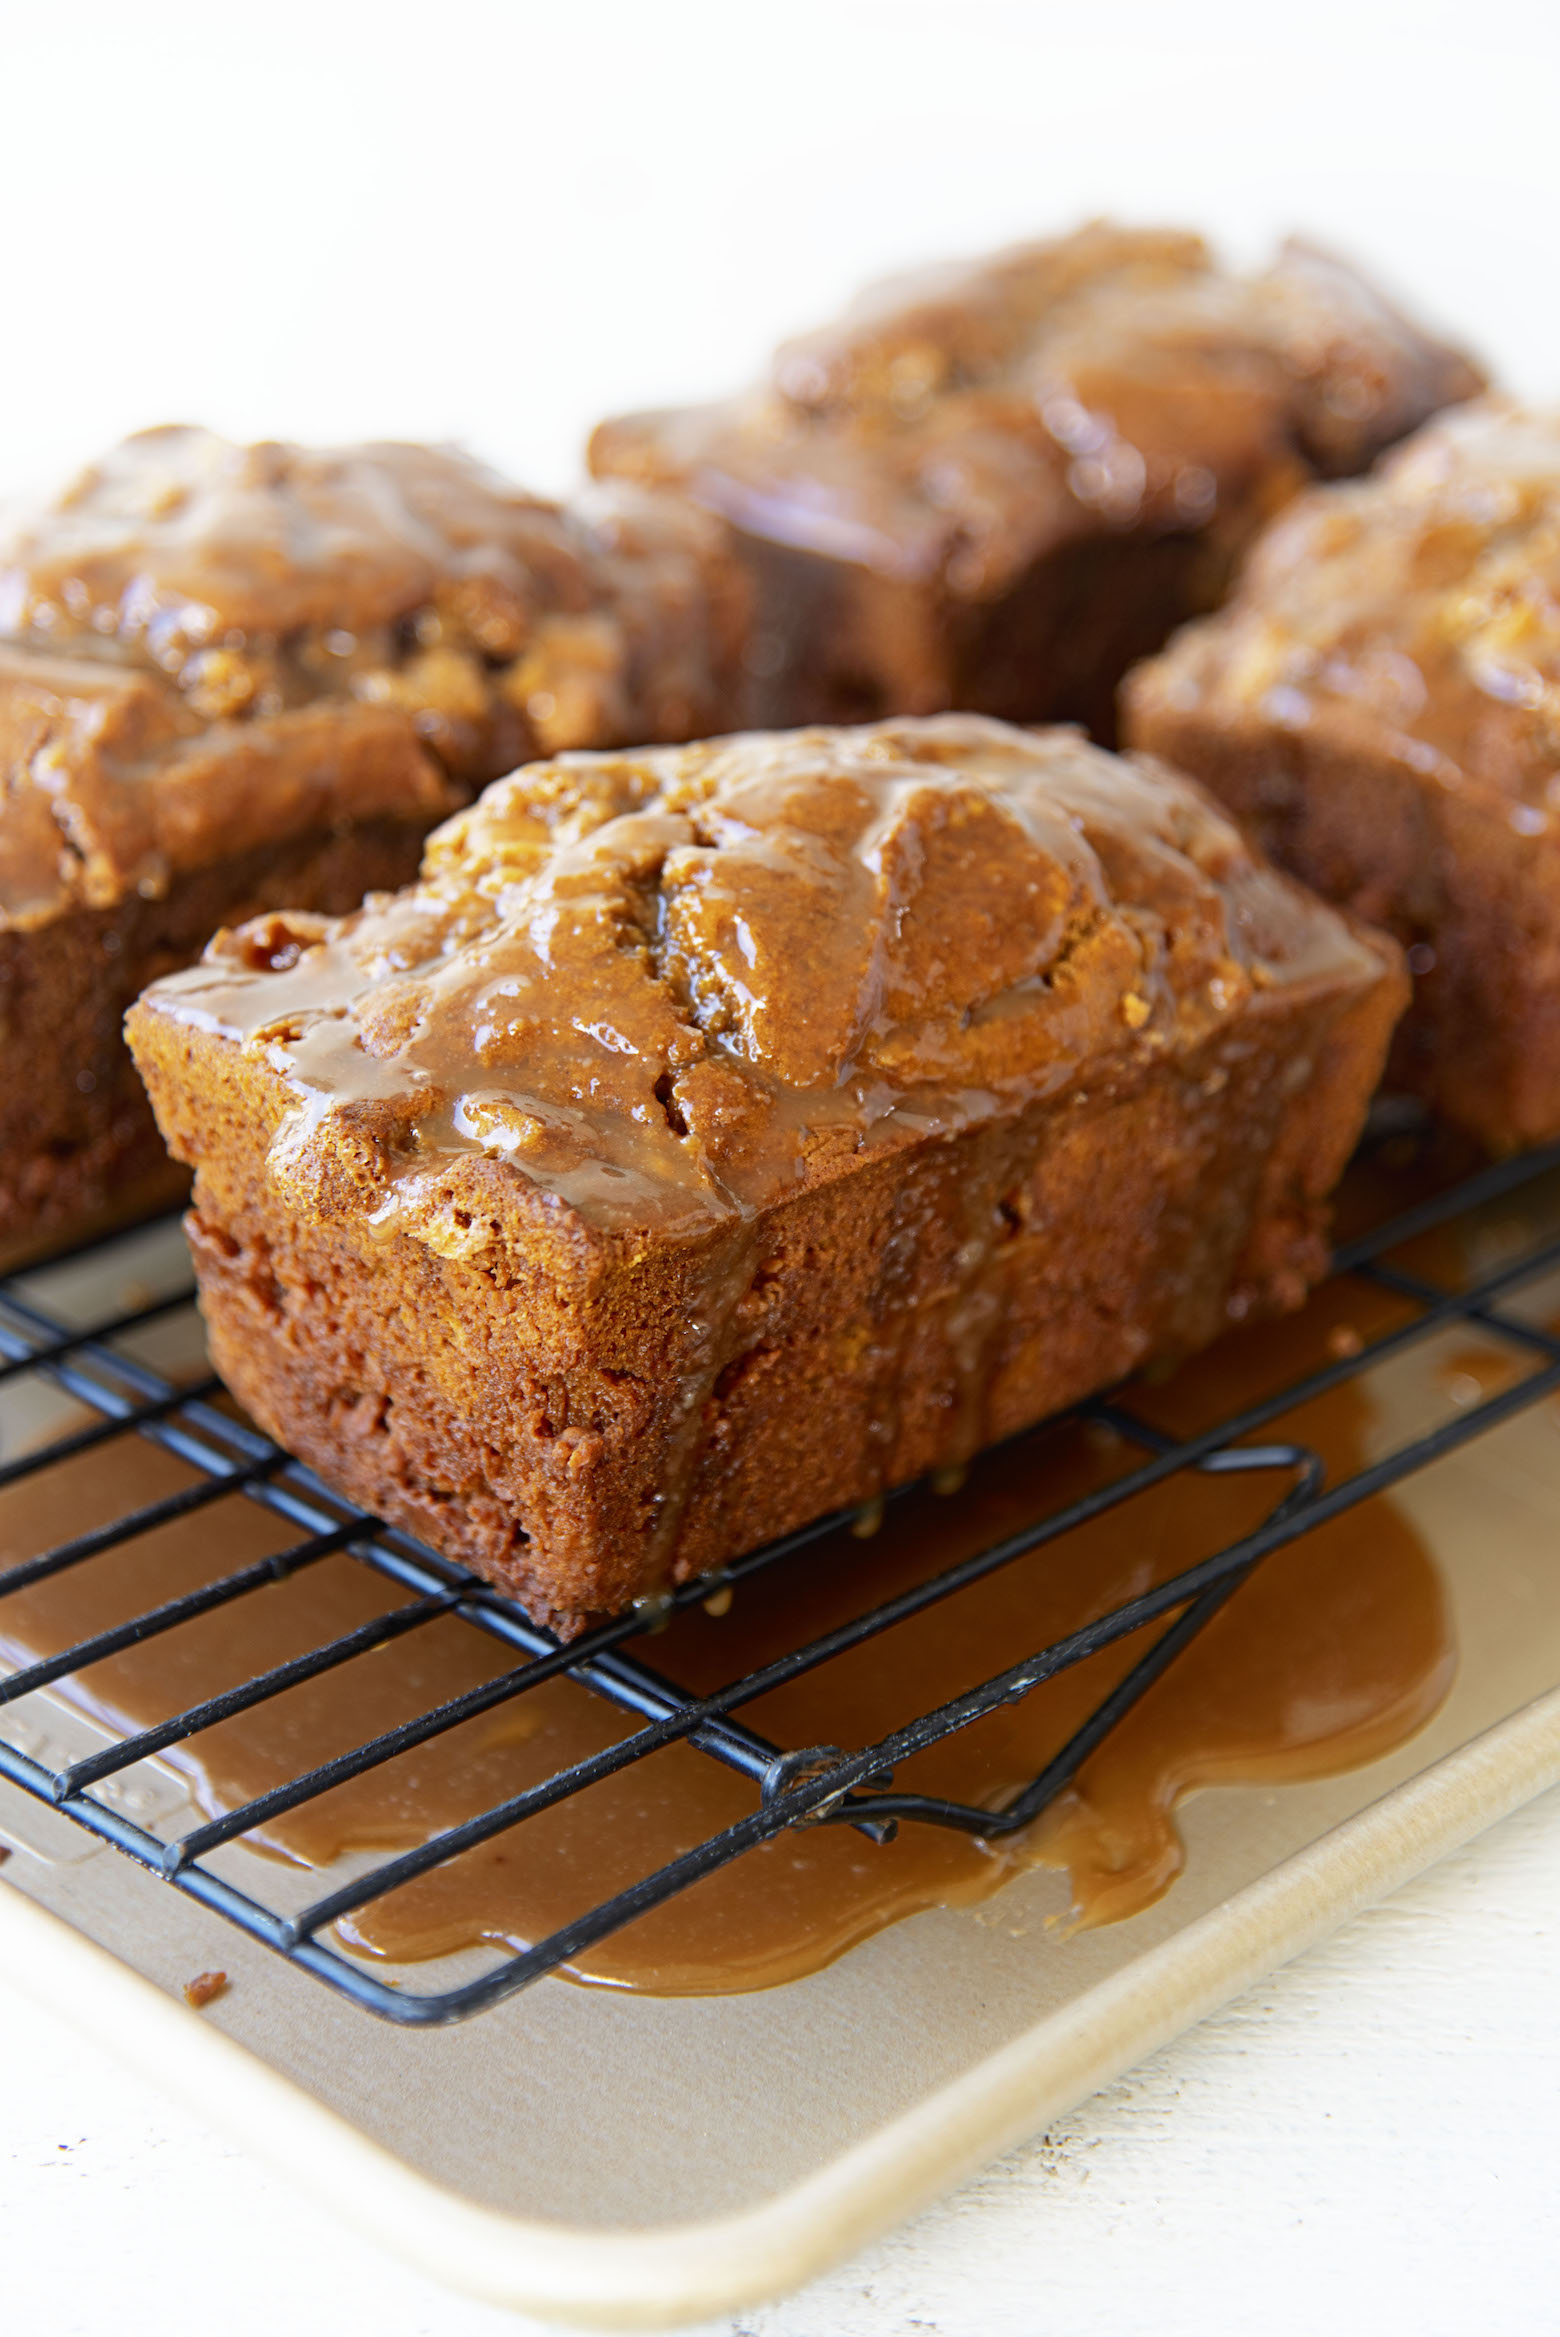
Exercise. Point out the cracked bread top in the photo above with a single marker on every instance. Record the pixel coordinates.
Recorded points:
(1415, 613)
(661, 988)
(958, 424)
(204, 646)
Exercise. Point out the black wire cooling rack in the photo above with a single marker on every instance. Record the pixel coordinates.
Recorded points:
(792, 1785)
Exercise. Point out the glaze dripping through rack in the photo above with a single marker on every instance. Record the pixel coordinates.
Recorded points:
(55, 1341)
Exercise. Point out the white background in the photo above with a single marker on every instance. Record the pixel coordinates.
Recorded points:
(494, 223)
(499, 222)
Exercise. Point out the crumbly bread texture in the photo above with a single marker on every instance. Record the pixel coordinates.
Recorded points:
(997, 484)
(236, 676)
(714, 1137)
(1381, 704)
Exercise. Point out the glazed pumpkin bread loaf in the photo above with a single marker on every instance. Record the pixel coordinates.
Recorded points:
(714, 1137)
(996, 485)
(1381, 702)
(232, 677)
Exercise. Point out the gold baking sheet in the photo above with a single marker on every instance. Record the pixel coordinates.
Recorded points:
(634, 2162)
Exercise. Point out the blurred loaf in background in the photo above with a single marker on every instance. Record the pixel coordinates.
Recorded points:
(995, 485)
(233, 678)
(1380, 704)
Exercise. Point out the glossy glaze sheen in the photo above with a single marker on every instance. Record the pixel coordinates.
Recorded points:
(676, 987)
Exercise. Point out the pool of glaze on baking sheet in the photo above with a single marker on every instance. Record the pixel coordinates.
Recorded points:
(1335, 1651)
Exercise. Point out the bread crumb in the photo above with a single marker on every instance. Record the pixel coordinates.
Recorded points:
(1343, 1340)
(204, 1989)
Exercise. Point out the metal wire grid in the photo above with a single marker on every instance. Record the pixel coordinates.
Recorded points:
(792, 1786)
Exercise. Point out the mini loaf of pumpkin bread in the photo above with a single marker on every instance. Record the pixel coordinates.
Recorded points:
(1381, 703)
(996, 485)
(715, 1137)
(235, 677)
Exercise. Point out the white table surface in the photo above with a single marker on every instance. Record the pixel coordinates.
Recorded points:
(493, 221)
(1368, 2142)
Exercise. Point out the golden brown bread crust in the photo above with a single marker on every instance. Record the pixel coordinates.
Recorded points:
(1381, 704)
(220, 664)
(715, 1136)
(998, 484)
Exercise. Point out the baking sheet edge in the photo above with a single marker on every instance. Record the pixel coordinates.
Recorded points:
(665, 2277)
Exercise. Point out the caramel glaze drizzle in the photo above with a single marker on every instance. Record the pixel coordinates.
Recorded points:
(1335, 1651)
